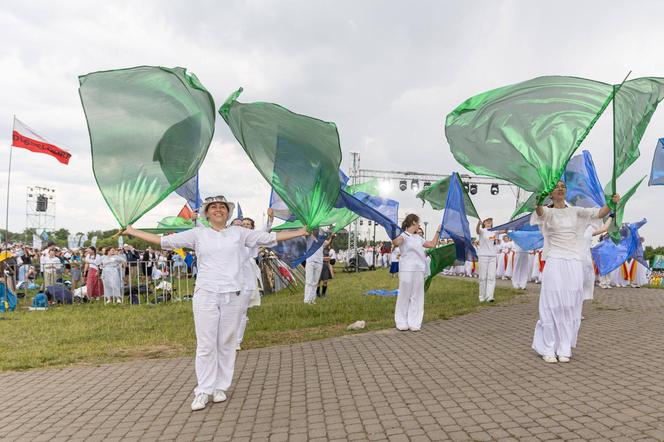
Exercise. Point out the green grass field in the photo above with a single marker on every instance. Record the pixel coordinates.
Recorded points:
(89, 334)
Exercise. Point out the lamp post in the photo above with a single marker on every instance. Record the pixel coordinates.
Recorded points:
(426, 223)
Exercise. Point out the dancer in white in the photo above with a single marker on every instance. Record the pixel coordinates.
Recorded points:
(312, 271)
(111, 263)
(562, 279)
(486, 255)
(409, 310)
(251, 275)
(217, 303)
(522, 267)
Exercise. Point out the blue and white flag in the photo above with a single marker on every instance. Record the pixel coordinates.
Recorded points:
(657, 171)
(583, 186)
(381, 210)
(44, 235)
(240, 215)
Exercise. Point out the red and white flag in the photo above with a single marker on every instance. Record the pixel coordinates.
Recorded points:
(186, 212)
(26, 138)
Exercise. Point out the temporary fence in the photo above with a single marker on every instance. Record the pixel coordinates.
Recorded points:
(157, 281)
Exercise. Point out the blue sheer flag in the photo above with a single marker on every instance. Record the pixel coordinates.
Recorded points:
(381, 210)
(528, 239)
(189, 191)
(239, 211)
(608, 255)
(522, 223)
(295, 251)
(279, 207)
(583, 186)
(657, 171)
(455, 222)
(44, 235)
(343, 178)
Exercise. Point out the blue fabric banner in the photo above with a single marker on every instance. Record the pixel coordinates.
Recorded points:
(583, 186)
(295, 251)
(608, 255)
(189, 191)
(455, 222)
(657, 171)
(381, 210)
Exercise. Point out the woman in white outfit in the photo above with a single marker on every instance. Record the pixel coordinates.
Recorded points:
(217, 304)
(561, 296)
(521, 270)
(409, 310)
(486, 254)
(111, 263)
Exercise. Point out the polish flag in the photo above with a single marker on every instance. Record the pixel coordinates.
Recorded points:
(186, 212)
(26, 138)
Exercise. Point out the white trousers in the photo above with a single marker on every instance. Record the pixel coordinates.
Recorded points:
(247, 296)
(312, 276)
(409, 310)
(486, 267)
(560, 303)
(216, 319)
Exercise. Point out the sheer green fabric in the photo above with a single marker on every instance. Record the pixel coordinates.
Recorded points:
(634, 104)
(150, 129)
(298, 156)
(441, 257)
(172, 224)
(619, 209)
(436, 195)
(338, 217)
(526, 133)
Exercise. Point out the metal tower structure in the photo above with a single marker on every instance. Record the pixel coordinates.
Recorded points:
(40, 208)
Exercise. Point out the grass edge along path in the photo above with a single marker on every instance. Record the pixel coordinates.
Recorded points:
(92, 334)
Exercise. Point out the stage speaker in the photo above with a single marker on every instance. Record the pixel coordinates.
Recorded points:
(42, 203)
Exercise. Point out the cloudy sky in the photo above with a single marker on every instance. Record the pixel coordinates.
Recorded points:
(386, 72)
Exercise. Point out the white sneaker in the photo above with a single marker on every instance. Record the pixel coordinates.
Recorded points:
(238, 347)
(118, 301)
(563, 359)
(218, 396)
(200, 401)
(549, 359)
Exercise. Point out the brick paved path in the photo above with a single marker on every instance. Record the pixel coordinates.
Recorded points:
(472, 377)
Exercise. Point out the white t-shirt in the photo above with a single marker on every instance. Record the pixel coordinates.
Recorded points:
(394, 255)
(487, 248)
(220, 254)
(563, 230)
(413, 258)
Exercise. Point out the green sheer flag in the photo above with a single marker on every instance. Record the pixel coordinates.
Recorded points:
(633, 106)
(170, 224)
(441, 257)
(436, 195)
(526, 133)
(619, 210)
(340, 218)
(298, 156)
(150, 129)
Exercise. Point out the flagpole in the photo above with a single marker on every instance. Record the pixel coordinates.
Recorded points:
(9, 178)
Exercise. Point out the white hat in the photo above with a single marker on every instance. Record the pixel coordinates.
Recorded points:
(216, 199)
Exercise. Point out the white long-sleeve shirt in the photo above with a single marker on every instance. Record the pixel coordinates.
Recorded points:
(563, 230)
(220, 254)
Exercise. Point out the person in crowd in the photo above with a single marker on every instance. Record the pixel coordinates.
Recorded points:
(217, 304)
(111, 268)
(561, 294)
(327, 272)
(92, 281)
(394, 262)
(75, 264)
(409, 310)
(51, 264)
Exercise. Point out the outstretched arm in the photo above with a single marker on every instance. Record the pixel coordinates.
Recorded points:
(145, 236)
(434, 242)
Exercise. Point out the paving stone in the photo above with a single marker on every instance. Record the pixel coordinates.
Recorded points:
(472, 377)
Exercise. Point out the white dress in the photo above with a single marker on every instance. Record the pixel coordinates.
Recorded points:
(110, 276)
(521, 271)
(561, 295)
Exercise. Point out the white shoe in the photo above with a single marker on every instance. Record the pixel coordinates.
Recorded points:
(414, 329)
(550, 359)
(200, 401)
(218, 396)
(118, 301)
(563, 359)
(238, 348)
(402, 328)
